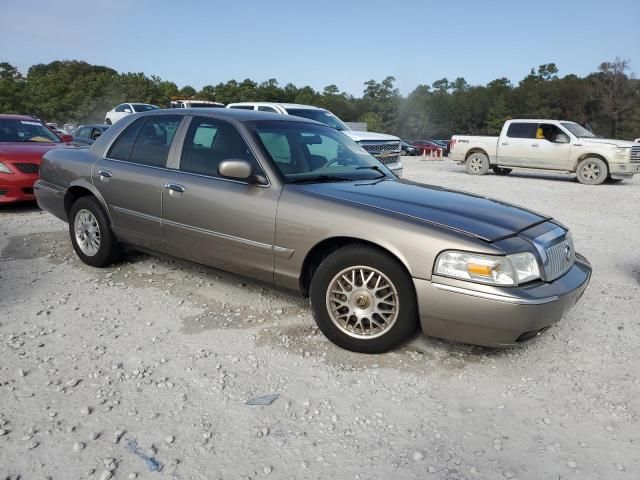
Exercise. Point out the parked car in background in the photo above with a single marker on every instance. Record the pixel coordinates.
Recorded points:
(428, 146)
(637, 140)
(408, 149)
(87, 134)
(445, 145)
(195, 104)
(554, 145)
(385, 148)
(124, 109)
(295, 203)
(23, 141)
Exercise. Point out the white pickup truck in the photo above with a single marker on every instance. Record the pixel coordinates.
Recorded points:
(555, 145)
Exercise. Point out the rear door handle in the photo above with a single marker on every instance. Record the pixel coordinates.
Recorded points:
(505, 143)
(535, 145)
(174, 187)
(104, 175)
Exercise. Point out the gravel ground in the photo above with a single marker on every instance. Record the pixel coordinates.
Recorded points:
(165, 352)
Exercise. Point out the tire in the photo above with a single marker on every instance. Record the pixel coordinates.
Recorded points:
(592, 171)
(477, 164)
(502, 171)
(91, 234)
(362, 325)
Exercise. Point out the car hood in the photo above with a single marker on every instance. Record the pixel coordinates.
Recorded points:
(31, 151)
(373, 136)
(481, 217)
(608, 141)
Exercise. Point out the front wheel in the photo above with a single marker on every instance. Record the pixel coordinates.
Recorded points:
(592, 171)
(363, 300)
(477, 164)
(91, 234)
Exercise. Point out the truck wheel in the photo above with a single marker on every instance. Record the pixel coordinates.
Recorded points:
(363, 300)
(501, 171)
(477, 164)
(592, 171)
(91, 234)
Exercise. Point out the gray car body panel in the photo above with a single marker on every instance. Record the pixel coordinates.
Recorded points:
(267, 231)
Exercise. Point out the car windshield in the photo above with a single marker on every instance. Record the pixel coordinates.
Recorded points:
(577, 130)
(143, 107)
(322, 116)
(16, 130)
(304, 152)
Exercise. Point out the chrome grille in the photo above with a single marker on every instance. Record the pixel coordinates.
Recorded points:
(635, 154)
(560, 258)
(386, 152)
(27, 167)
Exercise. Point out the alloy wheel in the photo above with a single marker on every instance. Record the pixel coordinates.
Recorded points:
(362, 302)
(87, 232)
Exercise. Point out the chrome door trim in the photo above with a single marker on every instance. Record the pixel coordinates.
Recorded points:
(492, 296)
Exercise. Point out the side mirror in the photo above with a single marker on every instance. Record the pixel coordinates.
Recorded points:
(240, 170)
(127, 110)
(561, 138)
(66, 138)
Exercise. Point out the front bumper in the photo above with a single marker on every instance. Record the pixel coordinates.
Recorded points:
(497, 316)
(17, 187)
(623, 170)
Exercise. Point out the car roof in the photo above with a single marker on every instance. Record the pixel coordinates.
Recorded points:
(92, 125)
(6, 116)
(230, 113)
(537, 120)
(283, 105)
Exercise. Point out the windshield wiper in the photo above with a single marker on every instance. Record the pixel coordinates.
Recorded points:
(376, 168)
(322, 178)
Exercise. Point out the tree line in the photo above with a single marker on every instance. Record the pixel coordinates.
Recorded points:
(608, 99)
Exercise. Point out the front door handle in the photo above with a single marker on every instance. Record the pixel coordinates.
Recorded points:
(535, 145)
(105, 175)
(174, 187)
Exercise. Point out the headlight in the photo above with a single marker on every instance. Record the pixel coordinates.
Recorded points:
(4, 168)
(620, 153)
(510, 270)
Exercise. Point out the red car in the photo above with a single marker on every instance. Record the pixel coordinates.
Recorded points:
(427, 146)
(23, 142)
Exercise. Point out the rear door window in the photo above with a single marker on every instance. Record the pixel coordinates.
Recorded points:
(147, 140)
(522, 130)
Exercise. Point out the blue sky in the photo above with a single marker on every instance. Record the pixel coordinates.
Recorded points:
(320, 43)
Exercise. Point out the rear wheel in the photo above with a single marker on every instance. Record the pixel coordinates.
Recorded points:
(501, 171)
(363, 300)
(477, 164)
(91, 234)
(592, 171)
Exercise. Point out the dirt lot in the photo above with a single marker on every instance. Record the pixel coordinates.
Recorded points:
(166, 353)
